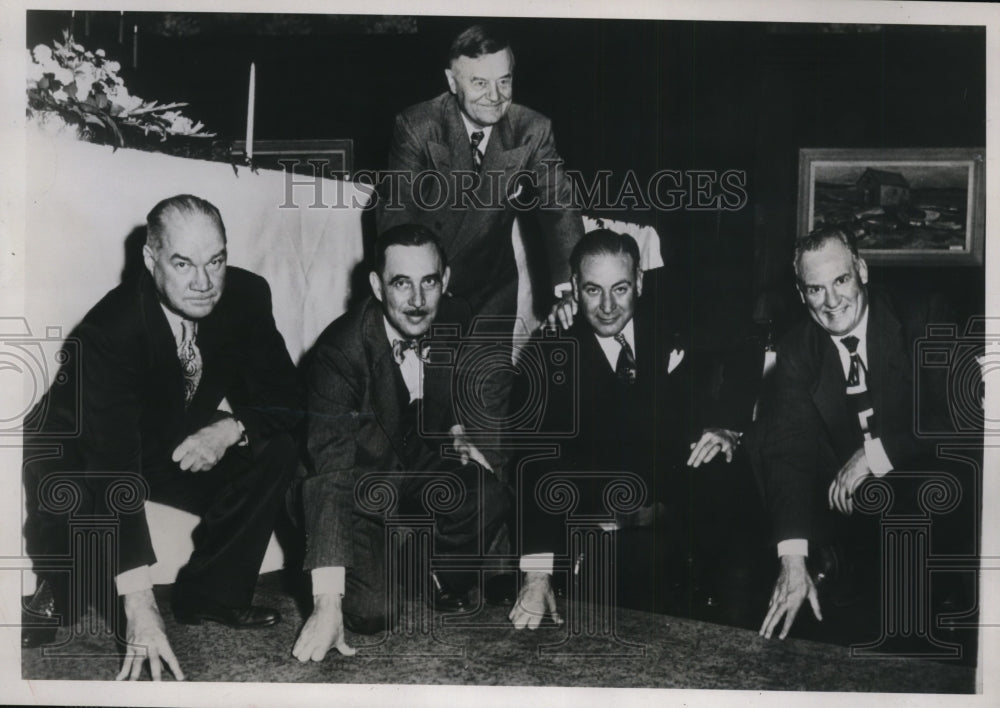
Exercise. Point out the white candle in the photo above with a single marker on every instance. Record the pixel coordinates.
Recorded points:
(250, 101)
(135, 46)
(121, 26)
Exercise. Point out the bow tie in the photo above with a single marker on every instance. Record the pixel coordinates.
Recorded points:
(399, 347)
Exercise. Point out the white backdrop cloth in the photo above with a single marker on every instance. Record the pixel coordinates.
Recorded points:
(84, 200)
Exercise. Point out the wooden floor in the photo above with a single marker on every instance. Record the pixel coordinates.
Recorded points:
(626, 648)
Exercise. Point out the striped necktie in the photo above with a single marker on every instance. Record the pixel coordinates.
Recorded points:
(477, 154)
(625, 369)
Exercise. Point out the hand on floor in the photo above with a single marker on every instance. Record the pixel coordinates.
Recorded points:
(323, 629)
(146, 638)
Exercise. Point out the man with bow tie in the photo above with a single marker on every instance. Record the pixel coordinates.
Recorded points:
(187, 390)
(637, 410)
(842, 411)
(376, 410)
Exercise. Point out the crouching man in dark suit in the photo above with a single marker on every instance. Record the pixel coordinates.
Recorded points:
(376, 412)
(842, 410)
(638, 410)
(187, 390)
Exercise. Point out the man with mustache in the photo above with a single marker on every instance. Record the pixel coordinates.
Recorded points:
(187, 390)
(842, 410)
(377, 411)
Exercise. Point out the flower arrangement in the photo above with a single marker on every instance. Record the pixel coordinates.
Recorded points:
(69, 86)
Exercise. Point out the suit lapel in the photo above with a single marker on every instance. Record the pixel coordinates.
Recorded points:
(163, 346)
(885, 345)
(455, 151)
(385, 387)
(830, 393)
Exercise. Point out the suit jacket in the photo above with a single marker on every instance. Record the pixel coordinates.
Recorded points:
(476, 228)
(807, 429)
(644, 428)
(357, 402)
(130, 410)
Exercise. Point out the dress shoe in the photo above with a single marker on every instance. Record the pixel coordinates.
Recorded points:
(834, 574)
(39, 617)
(195, 611)
(501, 589)
(447, 599)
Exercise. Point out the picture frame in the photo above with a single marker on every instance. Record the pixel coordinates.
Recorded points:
(906, 206)
(332, 157)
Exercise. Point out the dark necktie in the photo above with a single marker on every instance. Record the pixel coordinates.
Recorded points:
(190, 359)
(857, 388)
(625, 369)
(857, 374)
(477, 154)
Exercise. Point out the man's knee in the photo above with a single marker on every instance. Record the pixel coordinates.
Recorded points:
(364, 617)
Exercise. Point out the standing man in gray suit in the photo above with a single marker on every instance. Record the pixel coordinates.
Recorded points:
(465, 163)
(493, 158)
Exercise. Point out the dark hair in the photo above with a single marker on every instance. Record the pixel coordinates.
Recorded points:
(182, 204)
(407, 235)
(603, 242)
(817, 238)
(476, 41)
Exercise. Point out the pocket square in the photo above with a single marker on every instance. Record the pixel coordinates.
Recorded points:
(676, 357)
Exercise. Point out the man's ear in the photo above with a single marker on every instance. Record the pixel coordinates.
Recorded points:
(638, 282)
(802, 297)
(149, 258)
(450, 75)
(862, 271)
(445, 278)
(576, 287)
(376, 282)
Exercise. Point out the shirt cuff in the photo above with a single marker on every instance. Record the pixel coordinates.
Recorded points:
(134, 580)
(878, 461)
(793, 547)
(329, 580)
(537, 563)
(562, 289)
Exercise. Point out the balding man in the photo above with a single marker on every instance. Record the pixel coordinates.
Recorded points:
(186, 388)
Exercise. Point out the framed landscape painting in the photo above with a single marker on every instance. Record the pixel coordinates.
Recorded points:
(906, 206)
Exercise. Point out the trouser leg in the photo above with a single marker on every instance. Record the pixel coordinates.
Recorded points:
(238, 501)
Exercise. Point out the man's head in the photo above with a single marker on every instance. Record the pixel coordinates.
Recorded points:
(832, 279)
(606, 279)
(185, 252)
(411, 274)
(480, 74)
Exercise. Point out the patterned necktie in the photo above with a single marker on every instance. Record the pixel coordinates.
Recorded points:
(857, 389)
(190, 359)
(857, 370)
(399, 347)
(477, 154)
(625, 369)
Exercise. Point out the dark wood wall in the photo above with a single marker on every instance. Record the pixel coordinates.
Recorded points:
(637, 96)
